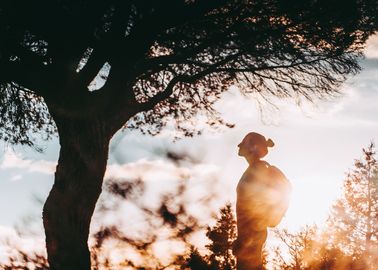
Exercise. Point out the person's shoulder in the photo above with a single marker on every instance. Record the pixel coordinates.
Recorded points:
(261, 164)
(278, 175)
(275, 171)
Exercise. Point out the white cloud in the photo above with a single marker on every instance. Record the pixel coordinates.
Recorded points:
(10, 241)
(159, 170)
(371, 50)
(7, 232)
(11, 160)
(16, 177)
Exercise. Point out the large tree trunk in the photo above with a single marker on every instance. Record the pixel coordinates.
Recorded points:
(78, 179)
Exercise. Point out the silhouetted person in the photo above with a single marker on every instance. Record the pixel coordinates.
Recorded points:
(262, 200)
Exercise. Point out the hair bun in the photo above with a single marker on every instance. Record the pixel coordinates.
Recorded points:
(269, 143)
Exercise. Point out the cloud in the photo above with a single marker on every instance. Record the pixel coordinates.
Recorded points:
(16, 177)
(159, 170)
(11, 160)
(149, 170)
(11, 241)
(371, 50)
(146, 169)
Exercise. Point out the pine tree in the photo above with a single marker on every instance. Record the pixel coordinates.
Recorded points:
(196, 262)
(354, 218)
(222, 237)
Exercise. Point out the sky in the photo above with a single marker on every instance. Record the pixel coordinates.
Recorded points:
(315, 146)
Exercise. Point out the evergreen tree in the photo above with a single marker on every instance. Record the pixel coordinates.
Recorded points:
(354, 218)
(222, 237)
(196, 262)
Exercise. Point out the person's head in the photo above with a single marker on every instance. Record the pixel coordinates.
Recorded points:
(254, 146)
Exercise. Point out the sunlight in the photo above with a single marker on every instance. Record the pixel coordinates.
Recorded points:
(310, 202)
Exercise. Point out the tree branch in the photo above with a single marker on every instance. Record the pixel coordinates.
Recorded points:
(161, 96)
(91, 68)
(32, 77)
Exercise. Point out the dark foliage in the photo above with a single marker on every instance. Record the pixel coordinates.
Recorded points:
(195, 261)
(222, 236)
(23, 114)
(26, 261)
(168, 59)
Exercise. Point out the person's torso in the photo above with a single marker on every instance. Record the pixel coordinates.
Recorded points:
(262, 193)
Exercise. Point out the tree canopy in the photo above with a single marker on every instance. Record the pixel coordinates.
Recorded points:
(168, 58)
(354, 218)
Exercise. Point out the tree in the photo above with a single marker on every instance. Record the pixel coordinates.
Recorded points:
(222, 237)
(354, 218)
(300, 245)
(195, 261)
(308, 249)
(85, 69)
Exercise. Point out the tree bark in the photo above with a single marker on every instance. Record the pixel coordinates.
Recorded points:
(78, 180)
